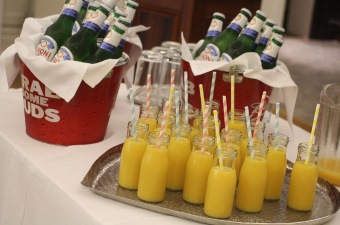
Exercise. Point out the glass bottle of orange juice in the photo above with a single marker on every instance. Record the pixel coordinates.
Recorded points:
(193, 114)
(154, 169)
(276, 166)
(303, 179)
(221, 185)
(178, 154)
(215, 105)
(197, 170)
(235, 137)
(170, 121)
(259, 138)
(132, 154)
(150, 116)
(252, 180)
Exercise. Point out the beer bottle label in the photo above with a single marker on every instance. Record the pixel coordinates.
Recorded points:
(267, 58)
(122, 43)
(47, 47)
(263, 41)
(238, 22)
(64, 54)
(235, 27)
(210, 53)
(225, 58)
(250, 32)
(213, 33)
(108, 47)
(71, 12)
(97, 19)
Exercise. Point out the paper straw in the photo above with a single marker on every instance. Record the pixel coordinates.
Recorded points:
(148, 95)
(132, 113)
(172, 78)
(177, 113)
(277, 121)
(186, 102)
(259, 114)
(226, 119)
(212, 88)
(205, 127)
(161, 132)
(250, 140)
(171, 98)
(310, 143)
(202, 98)
(218, 138)
(232, 97)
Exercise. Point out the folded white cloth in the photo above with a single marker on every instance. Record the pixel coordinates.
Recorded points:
(62, 78)
(284, 89)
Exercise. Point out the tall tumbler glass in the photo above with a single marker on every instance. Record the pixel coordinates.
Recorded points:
(150, 62)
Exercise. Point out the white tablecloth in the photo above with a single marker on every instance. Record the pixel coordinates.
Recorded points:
(40, 183)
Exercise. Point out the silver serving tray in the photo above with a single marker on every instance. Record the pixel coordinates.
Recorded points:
(102, 179)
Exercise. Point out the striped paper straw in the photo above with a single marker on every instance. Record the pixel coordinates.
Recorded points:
(186, 102)
(218, 138)
(259, 114)
(226, 119)
(172, 78)
(277, 122)
(171, 98)
(310, 143)
(250, 139)
(232, 97)
(132, 113)
(202, 98)
(212, 88)
(177, 113)
(161, 132)
(148, 95)
(205, 126)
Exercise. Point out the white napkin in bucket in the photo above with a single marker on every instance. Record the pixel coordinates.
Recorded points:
(284, 89)
(62, 78)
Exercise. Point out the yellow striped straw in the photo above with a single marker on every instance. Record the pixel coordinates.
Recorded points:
(218, 138)
(232, 95)
(310, 143)
(202, 98)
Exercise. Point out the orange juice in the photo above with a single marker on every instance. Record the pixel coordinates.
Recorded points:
(302, 186)
(154, 169)
(219, 198)
(178, 154)
(196, 176)
(130, 161)
(329, 169)
(194, 132)
(276, 171)
(244, 148)
(151, 121)
(238, 125)
(252, 181)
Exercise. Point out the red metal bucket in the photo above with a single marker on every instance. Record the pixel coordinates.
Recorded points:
(83, 120)
(248, 92)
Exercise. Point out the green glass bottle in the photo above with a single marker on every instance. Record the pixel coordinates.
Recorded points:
(266, 31)
(107, 49)
(126, 22)
(57, 33)
(93, 6)
(82, 44)
(118, 13)
(265, 37)
(270, 53)
(104, 28)
(220, 43)
(130, 9)
(277, 31)
(246, 40)
(80, 17)
(214, 30)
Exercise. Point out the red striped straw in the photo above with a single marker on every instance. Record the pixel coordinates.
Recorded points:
(205, 126)
(148, 95)
(259, 114)
(226, 119)
(161, 132)
(172, 81)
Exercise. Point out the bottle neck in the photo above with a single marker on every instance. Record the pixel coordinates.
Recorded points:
(309, 155)
(253, 28)
(72, 9)
(270, 53)
(98, 18)
(238, 23)
(279, 141)
(215, 28)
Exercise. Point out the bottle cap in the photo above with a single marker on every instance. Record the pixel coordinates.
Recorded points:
(217, 14)
(278, 30)
(261, 15)
(132, 3)
(270, 22)
(118, 12)
(246, 12)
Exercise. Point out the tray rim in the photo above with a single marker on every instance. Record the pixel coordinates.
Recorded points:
(196, 218)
